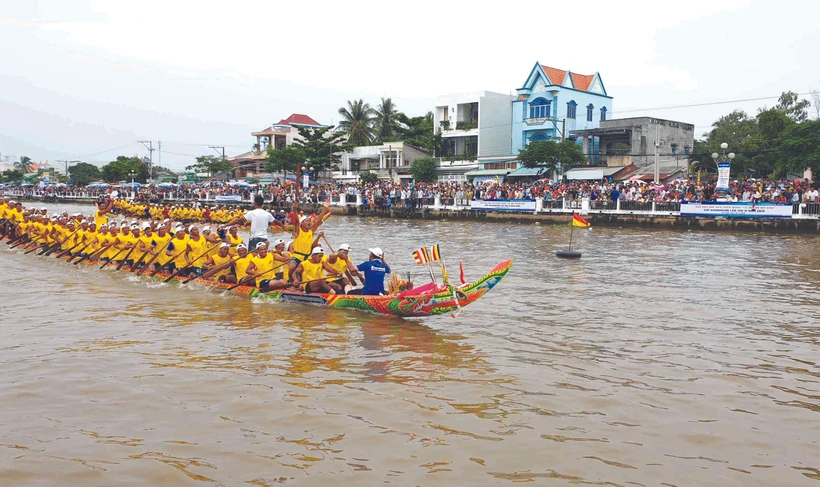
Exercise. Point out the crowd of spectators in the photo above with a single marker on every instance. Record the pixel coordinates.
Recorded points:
(388, 194)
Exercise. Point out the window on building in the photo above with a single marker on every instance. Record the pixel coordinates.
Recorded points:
(589, 112)
(686, 150)
(674, 149)
(539, 136)
(571, 109)
(540, 108)
(603, 113)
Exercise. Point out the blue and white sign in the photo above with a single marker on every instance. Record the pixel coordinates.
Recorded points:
(736, 210)
(503, 205)
(723, 176)
(228, 198)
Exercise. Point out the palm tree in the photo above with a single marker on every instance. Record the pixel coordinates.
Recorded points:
(357, 122)
(25, 165)
(386, 119)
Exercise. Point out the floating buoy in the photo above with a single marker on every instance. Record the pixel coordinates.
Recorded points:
(568, 254)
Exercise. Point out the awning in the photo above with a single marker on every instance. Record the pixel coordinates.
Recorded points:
(487, 172)
(528, 172)
(591, 173)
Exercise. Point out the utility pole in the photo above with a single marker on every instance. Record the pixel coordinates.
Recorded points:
(216, 148)
(150, 147)
(159, 144)
(657, 152)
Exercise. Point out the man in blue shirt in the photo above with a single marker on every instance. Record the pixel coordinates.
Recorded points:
(374, 271)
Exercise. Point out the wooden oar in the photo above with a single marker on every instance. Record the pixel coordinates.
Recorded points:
(192, 263)
(23, 239)
(211, 271)
(126, 257)
(80, 251)
(139, 261)
(347, 271)
(95, 254)
(112, 259)
(247, 278)
(51, 248)
(154, 258)
(31, 250)
(68, 250)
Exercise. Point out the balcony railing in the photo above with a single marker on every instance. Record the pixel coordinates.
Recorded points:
(538, 120)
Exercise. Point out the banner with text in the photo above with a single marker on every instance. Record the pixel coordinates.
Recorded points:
(503, 205)
(228, 198)
(736, 210)
(723, 176)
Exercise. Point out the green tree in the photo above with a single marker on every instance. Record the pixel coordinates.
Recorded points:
(795, 109)
(368, 177)
(25, 164)
(210, 164)
(322, 147)
(424, 170)
(799, 146)
(284, 160)
(358, 123)
(13, 175)
(386, 121)
(84, 173)
(549, 154)
(418, 131)
(121, 168)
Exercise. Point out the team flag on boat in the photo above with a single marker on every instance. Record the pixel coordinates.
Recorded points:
(435, 254)
(421, 256)
(577, 221)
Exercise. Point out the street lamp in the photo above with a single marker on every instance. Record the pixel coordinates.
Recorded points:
(724, 164)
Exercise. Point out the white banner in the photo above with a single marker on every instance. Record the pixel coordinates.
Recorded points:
(723, 176)
(503, 205)
(306, 181)
(736, 210)
(228, 198)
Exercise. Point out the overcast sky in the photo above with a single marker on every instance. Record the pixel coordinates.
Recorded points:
(79, 78)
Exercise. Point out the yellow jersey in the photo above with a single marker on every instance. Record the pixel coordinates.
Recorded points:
(302, 244)
(218, 261)
(312, 271)
(263, 264)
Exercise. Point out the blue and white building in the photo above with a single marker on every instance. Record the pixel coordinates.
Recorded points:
(552, 103)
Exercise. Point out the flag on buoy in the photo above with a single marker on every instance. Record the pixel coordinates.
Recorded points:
(577, 221)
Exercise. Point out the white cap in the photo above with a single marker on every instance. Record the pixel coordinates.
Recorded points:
(261, 244)
(206, 228)
(344, 247)
(44, 209)
(317, 250)
(278, 242)
(190, 229)
(287, 245)
(146, 226)
(134, 227)
(225, 245)
(241, 246)
(377, 252)
(167, 220)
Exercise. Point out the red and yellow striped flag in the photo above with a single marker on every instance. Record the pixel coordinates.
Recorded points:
(577, 221)
(420, 256)
(435, 254)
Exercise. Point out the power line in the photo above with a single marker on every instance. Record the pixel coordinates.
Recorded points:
(705, 104)
(107, 150)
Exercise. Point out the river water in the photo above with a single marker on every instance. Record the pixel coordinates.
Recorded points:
(660, 358)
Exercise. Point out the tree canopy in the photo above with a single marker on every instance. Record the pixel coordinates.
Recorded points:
(284, 160)
(368, 177)
(25, 164)
(358, 123)
(548, 154)
(423, 170)
(120, 169)
(84, 173)
(210, 164)
(385, 121)
(322, 147)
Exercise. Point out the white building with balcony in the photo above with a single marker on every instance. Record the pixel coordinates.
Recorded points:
(474, 127)
(390, 160)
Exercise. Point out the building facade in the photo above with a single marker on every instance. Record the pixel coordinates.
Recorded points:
(627, 141)
(390, 160)
(278, 135)
(553, 103)
(473, 127)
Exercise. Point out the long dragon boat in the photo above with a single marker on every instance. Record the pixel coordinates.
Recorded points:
(426, 300)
